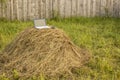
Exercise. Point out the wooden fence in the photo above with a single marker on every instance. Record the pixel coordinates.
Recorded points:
(32, 9)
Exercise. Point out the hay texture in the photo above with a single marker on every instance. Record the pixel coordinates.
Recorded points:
(46, 51)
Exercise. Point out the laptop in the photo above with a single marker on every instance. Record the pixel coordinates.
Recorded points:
(40, 24)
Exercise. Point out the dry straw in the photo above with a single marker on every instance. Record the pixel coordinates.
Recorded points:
(46, 51)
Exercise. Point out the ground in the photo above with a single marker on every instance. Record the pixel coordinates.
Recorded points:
(101, 36)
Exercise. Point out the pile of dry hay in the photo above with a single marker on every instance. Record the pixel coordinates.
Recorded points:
(46, 51)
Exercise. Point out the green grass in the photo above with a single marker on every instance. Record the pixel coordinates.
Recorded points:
(101, 36)
(8, 30)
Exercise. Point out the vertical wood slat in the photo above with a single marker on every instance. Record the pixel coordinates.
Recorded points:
(73, 7)
(20, 9)
(55, 8)
(62, 8)
(29, 9)
(7, 10)
(103, 7)
(42, 9)
(77, 7)
(80, 7)
(102, 10)
(84, 7)
(114, 8)
(119, 8)
(111, 9)
(97, 7)
(11, 6)
(68, 8)
(0, 10)
(50, 8)
(37, 9)
(47, 9)
(17, 10)
(14, 9)
(94, 8)
(24, 9)
(91, 8)
(89, 5)
(32, 9)
(3, 5)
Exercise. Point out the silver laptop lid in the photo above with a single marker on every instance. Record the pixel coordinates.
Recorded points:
(40, 23)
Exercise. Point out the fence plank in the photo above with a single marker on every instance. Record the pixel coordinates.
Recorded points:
(14, 9)
(111, 8)
(24, 10)
(73, 7)
(4, 11)
(81, 7)
(47, 9)
(55, 8)
(17, 10)
(0, 10)
(78, 8)
(11, 9)
(84, 7)
(94, 7)
(42, 8)
(67, 8)
(89, 5)
(62, 8)
(119, 9)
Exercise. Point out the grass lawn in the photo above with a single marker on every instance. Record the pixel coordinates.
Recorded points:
(101, 36)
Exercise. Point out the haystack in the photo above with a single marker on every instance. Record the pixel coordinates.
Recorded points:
(46, 51)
